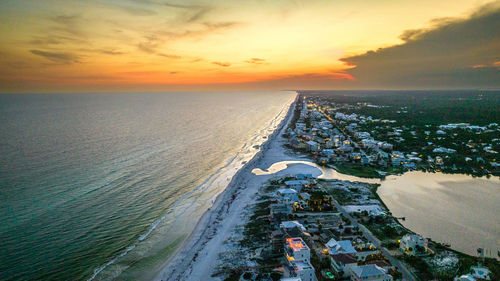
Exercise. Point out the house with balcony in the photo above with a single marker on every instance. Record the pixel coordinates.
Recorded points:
(298, 260)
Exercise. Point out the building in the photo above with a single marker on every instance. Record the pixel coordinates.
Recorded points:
(313, 146)
(412, 244)
(466, 277)
(340, 247)
(298, 256)
(342, 263)
(281, 209)
(297, 184)
(480, 272)
(292, 224)
(369, 272)
(288, 195)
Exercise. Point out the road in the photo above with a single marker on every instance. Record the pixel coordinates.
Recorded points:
(407, 274)
(347, 135)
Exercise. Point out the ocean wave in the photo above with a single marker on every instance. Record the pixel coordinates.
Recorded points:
(215, 183)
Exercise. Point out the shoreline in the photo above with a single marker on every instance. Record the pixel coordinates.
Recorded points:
(180, 263)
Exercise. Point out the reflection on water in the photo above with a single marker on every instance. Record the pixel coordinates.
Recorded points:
(455, 209)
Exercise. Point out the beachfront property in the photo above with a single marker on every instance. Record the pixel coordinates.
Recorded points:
(412, 245)
(297, 184)
(477, 273)
(288, 195)
(298, 257)
(369, 272)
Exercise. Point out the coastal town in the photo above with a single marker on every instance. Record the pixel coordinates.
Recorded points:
(304, 228)
(344, 136)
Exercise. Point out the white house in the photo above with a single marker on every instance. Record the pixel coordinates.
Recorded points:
(466, 277)
(292, 224)
(297, 184)
(298, 256)
(369, 272)
(410, 243)
(288, 195)
(340, 247)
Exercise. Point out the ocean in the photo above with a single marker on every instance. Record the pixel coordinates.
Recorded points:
(106, 186)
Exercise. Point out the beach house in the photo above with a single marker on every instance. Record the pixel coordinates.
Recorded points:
(297, 184)
(369, 272)
(288, 195)
(298, 260)
(292, 224)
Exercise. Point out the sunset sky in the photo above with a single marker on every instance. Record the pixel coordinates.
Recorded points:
(156, 45)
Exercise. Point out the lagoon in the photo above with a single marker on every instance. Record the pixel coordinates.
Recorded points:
(455, 209)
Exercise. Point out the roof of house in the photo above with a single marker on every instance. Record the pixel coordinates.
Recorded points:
(294, 182)
(381, 263)
(367, 270)
(466, 277)
(340, 247)
(292, 224)
(287, 191)
(291, 279)
(296, 244)
(344, 258)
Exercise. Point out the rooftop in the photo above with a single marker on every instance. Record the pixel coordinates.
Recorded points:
(296, 244)
(344, 258)
(367, 270)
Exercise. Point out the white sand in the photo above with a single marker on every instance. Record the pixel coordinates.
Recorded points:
(196, 259)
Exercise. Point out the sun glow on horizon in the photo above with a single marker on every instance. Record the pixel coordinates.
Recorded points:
(71, 45)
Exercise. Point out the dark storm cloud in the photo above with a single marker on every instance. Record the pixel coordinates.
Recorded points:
(452, 53)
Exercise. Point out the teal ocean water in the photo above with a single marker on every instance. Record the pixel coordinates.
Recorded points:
(106, 186)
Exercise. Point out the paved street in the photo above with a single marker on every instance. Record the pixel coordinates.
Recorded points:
(407, 275)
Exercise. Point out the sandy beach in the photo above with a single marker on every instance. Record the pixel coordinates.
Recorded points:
(197, 257)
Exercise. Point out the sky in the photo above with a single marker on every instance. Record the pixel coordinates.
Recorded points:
(168, 45)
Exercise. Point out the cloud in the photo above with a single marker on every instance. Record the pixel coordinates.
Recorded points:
(441, 56)
(150, 44)
(67, 24)
(225, 64)
(136, 11)
(193, 13)
(112, 52)
(170, 56)
(63, 58)
(256, 61)
(206, 29)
